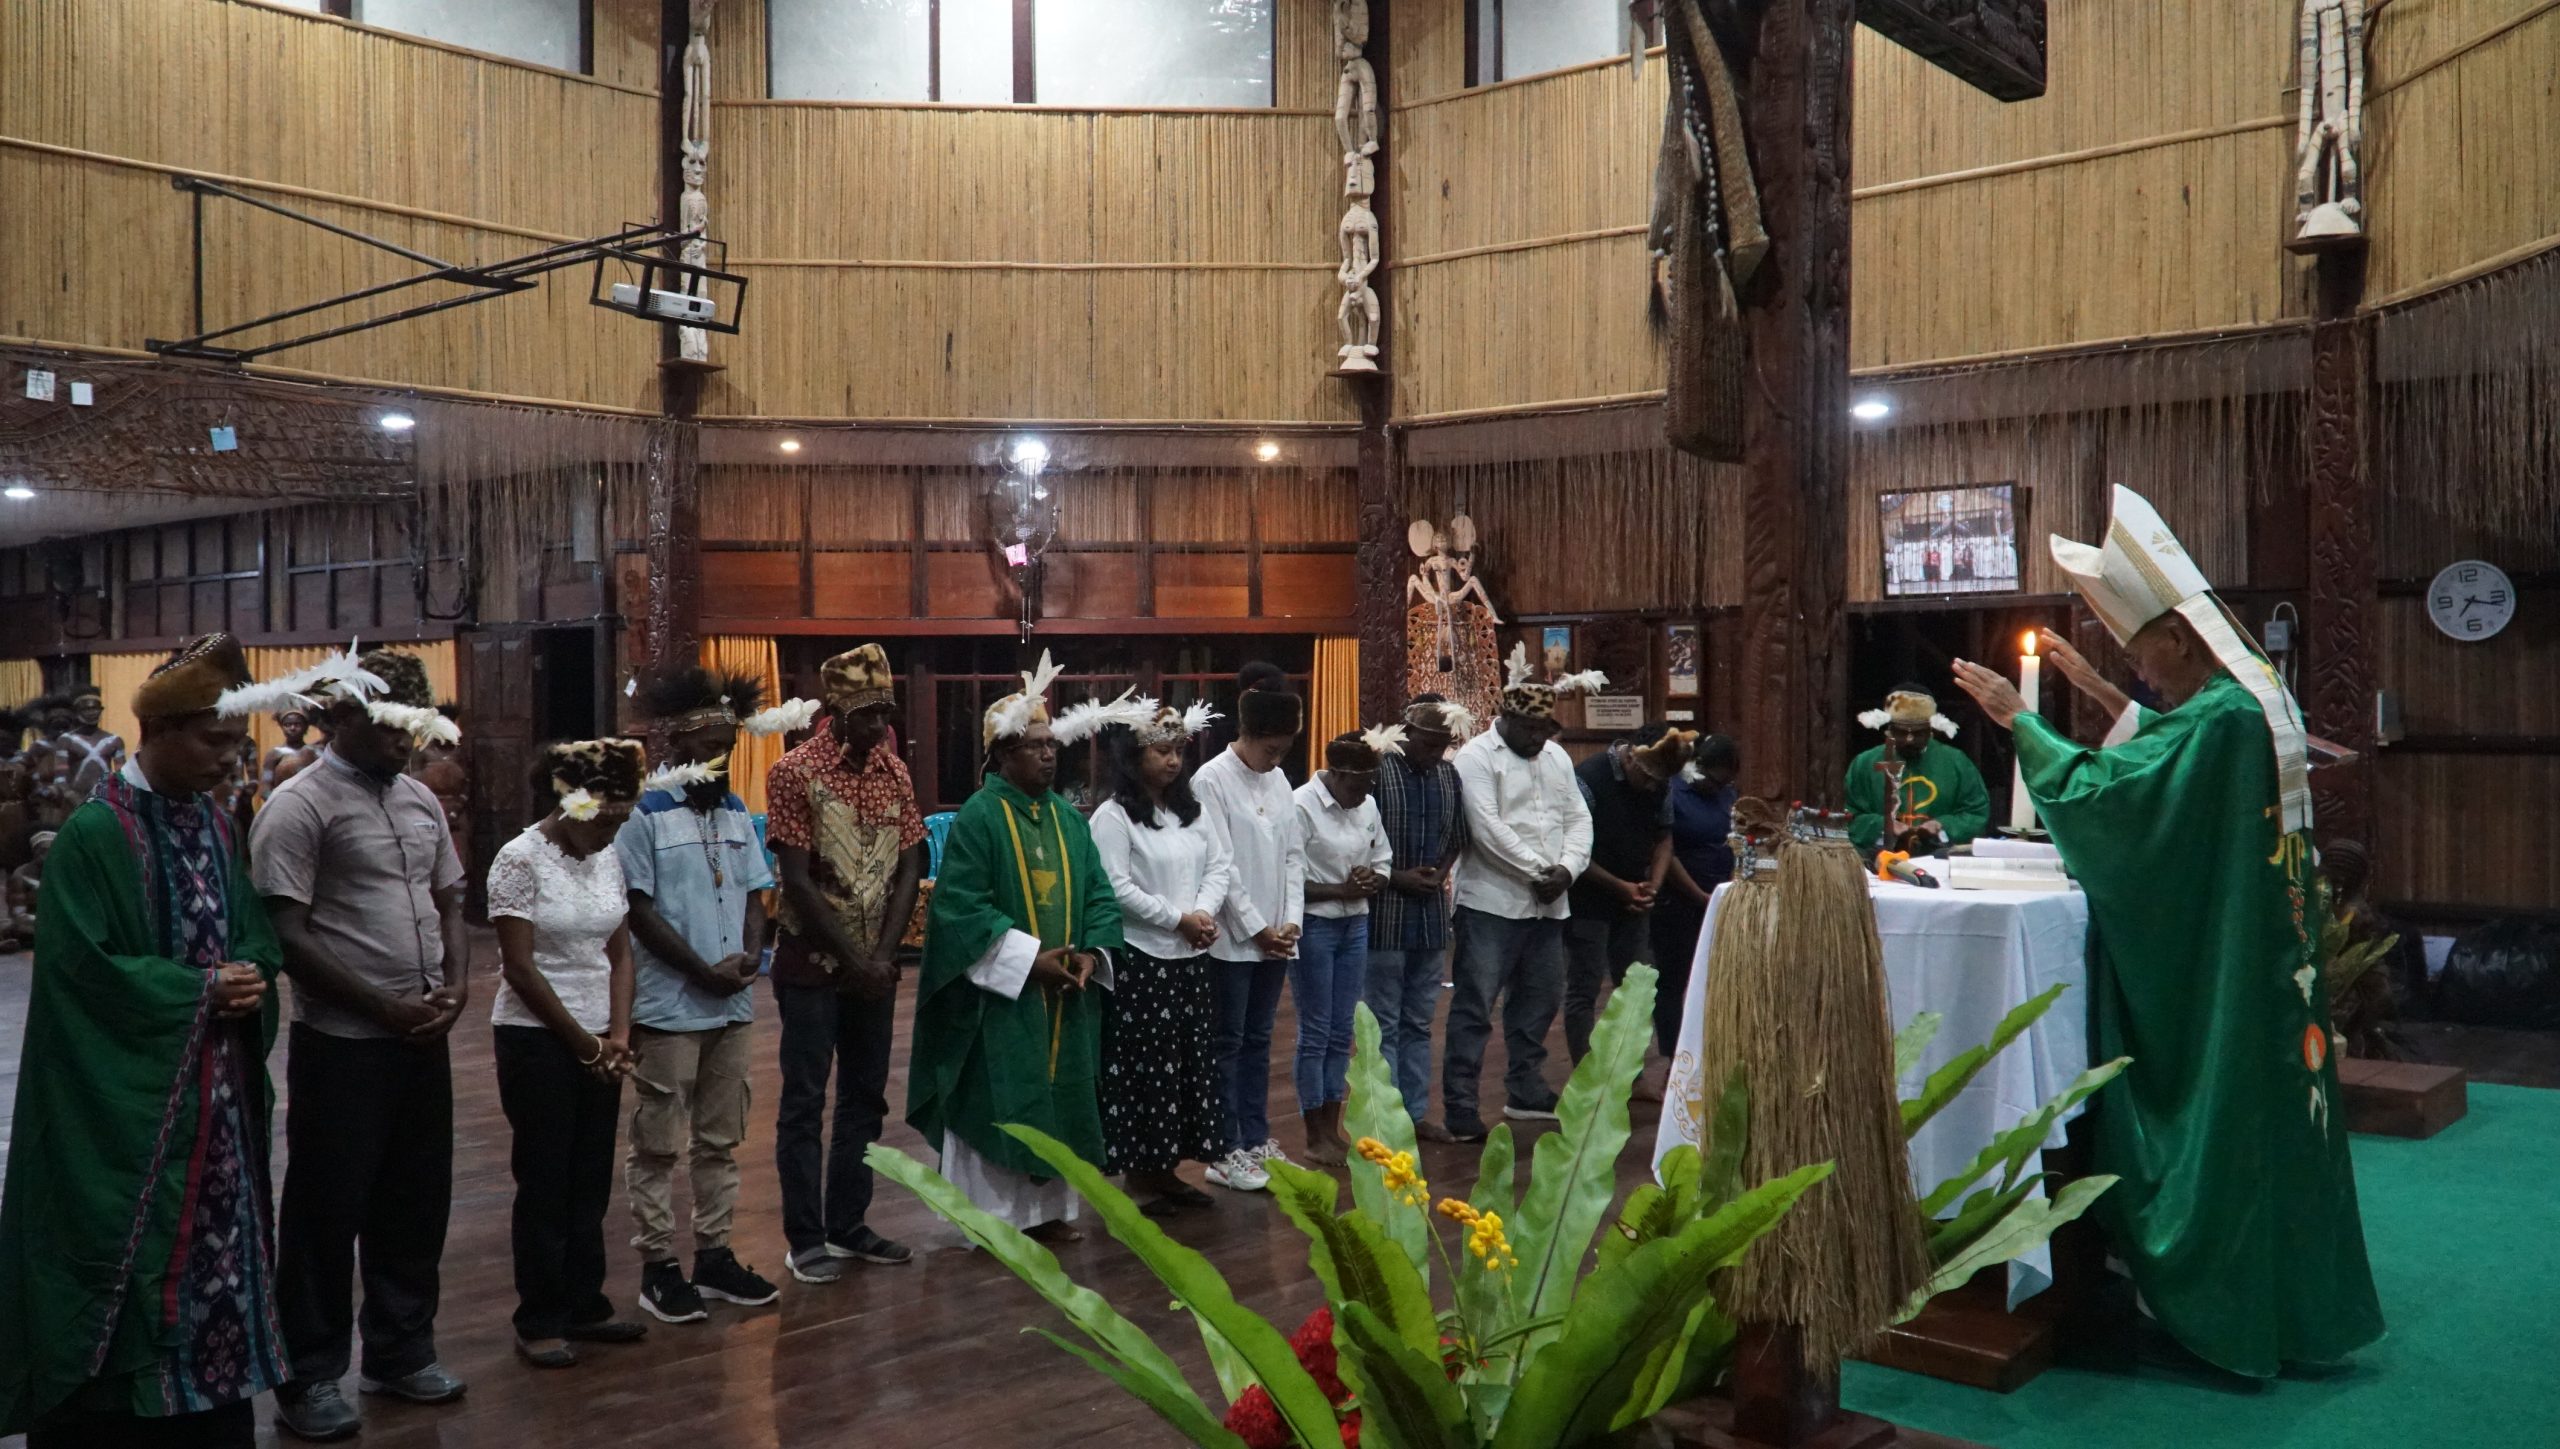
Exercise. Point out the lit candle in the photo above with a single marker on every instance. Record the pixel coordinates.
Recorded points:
(2022, 811)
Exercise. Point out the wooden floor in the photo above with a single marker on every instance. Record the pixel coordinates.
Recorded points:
(927, 1354)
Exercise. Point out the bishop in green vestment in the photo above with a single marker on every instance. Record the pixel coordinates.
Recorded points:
(1940, 786)
(2236, 1211)
(1008, 1012)
(137, 1231)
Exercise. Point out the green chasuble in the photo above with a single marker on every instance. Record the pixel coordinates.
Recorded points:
(2237, 1208)
(1011, 863)
(135, 1228)
(1944, 786)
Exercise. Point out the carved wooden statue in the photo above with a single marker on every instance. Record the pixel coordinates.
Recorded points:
(1450, 649)
(2329, 177)
(693, 208)
(1355, 128)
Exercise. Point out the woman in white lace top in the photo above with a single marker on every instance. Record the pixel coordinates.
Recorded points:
(562, 1029)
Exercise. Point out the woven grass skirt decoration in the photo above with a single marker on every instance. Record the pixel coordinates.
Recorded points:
(1796, 999)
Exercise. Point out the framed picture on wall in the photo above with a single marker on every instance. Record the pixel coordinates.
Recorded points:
(1681, 661)
(1555, 650)
(1951, 540)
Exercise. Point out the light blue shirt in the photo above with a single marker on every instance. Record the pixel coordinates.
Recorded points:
(667, 852)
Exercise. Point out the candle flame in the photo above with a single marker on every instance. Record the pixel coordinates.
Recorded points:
(2027, 644)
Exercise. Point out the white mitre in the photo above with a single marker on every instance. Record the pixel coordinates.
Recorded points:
(2142, 573)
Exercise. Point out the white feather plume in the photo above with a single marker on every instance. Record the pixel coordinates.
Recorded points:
(1588, 681)
(1037, 679)
(785, 718)
(1091, 717)
(676, 779)
(1386, 739)
(1012, 715)
(1875, 719)
(426, 726)
(1460, 719)
(1197, 718)
(581, 804)
(1515, 670)
(273, 697)
(1943, 725)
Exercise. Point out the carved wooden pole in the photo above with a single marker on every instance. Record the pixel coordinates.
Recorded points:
(1382, 560)
(2343, 605)
(671, 471)
(1795, 419)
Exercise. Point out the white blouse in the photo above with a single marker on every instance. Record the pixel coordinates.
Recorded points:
(1337, 841)
(575, 907)
(1258, 821)
(1162, 872)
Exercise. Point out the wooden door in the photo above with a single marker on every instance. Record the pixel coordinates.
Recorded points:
(498, 684)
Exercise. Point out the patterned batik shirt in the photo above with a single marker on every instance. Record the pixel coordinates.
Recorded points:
(854, 824)
(1426, 827)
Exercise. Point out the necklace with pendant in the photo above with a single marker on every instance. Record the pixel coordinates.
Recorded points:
(711, 851)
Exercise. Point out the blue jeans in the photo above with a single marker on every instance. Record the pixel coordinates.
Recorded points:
(1521, 962)
(1240, 1048)
(1325, 981)
(1404, 993)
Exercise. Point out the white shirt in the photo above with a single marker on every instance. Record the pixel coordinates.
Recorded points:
(1259, 822)
(1522, 817)
(1161, 873)
(1336, 840)
(575, 907)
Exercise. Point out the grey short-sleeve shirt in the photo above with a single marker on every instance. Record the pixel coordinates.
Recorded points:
(367, 856)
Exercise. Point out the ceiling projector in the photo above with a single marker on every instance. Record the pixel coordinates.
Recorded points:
(664, 305)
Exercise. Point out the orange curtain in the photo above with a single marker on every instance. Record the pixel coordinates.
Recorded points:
(753, 655)
(117, 677)
(1333, 693)
(20, 681)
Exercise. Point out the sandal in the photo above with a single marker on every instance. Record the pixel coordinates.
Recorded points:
(547, 1358)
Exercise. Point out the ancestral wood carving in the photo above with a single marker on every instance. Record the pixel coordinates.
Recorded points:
(674, 479)
(1995, 45)
(1378, 596)
(1794, 665)
(2329, 134)
(2343, 607)
(693, 161)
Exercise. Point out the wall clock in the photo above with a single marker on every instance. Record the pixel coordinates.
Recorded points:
(2471, 601)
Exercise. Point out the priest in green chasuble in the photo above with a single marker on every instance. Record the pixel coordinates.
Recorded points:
(2190, 832)
(137, 1231)
(1008, 1012)
(1939, 794)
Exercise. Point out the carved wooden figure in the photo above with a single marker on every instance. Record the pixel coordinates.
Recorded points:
(2329, 175)
(693, 211)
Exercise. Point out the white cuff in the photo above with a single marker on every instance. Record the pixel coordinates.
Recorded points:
(2126, 726)
(1007, 965)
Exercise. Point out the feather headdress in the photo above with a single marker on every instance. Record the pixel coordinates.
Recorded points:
(1910, 707)
(789, 717)
(1170, 726)
(426, 726)
(1515, 670)
(1017, 712)
(1386, 739)
(342, 675)
(1587, 681)
(1091, 717)
(677, 779)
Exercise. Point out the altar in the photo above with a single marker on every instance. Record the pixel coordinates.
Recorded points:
(1970, 956)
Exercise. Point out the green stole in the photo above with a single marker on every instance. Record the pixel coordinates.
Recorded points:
(2237, 1206)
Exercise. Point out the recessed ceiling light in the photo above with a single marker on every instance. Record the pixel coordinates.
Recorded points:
(1871, 410)
(790, 445)
(19, 491)
(1266, 450)
(397, 422)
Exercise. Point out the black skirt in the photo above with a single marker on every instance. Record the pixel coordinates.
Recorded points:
(1159, 1088)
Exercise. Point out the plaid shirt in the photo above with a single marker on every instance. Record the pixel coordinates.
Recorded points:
(1426, 827)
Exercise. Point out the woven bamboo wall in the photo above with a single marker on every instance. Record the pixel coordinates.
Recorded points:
(457, 155)
(915, 261)
(2143, 195)
(2464, 127)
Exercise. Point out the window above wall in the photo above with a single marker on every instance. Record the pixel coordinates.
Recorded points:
(1508, 39)
(540, 32)
(1106, 53)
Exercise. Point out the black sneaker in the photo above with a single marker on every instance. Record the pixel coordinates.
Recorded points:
(1464, 1129)
(1531, 1111)
(316, 1413)
(870, 1247)
(667, 1296)
(717, 1273)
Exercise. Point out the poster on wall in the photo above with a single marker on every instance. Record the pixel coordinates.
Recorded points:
(1951, 540)
(1682, 660)
(1555, 651)
(1613, 713)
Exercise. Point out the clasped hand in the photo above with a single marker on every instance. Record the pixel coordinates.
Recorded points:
(1065, 966)
(1550, 883)
(239, 989)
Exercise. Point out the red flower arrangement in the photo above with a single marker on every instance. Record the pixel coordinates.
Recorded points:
(1256, 1420)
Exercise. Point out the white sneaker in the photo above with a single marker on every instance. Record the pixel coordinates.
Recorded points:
(1239, 1171)
(1269, 1149)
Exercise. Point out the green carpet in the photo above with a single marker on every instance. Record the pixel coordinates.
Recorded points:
(2465, 1254)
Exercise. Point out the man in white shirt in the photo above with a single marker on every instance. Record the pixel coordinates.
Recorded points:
(1246, 800)
(1529, 837)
